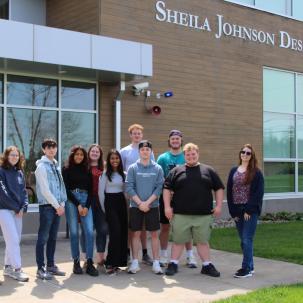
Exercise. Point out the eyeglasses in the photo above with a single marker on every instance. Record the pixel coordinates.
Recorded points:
(247, 153)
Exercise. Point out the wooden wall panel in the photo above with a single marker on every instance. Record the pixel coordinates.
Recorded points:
(77, 15)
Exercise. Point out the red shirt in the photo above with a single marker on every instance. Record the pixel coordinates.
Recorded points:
(96, 173)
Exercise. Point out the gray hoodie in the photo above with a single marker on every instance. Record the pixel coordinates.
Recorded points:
(49, 183)
(144, 181)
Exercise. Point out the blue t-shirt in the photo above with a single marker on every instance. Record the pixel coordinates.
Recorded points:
(168, 161)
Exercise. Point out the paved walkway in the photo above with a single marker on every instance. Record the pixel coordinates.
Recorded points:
(187, 286)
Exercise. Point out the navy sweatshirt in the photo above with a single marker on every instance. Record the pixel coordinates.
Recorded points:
(255, 200)
(13, 194)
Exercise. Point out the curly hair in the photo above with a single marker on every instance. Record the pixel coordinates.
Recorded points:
(4, 162)
(71, 158)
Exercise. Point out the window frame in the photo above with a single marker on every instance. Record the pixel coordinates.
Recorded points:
(296, 160)
(59, 109)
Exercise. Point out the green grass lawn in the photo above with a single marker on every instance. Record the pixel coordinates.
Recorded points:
(276, 294)
(279, 241)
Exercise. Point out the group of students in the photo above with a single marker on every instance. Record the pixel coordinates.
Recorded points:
(132, 195)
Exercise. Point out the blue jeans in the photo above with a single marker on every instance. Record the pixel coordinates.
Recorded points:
(86, 223)
(47, 234)
(100, 226)
(246, 231)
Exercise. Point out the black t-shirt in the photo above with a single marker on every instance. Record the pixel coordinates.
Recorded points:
(192, 187)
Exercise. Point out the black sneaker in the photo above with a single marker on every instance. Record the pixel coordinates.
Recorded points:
(171, 269)
(91, 269)
(55, 271)
(77, 270)
(210, 270)
(243, 273)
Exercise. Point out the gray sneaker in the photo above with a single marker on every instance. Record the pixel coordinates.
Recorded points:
(147, 260)
(54, 270)
(43, 274)
(7, 270)
(19, 275)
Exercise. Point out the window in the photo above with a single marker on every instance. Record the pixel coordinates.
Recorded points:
(250, 2)
(4, 9)
(31, 91)
(297, 9)
(275, 6)
(301, 176)
(77, 128)
(291, 8)
(78, 95)
(283, 131)
(279, 177)
(26, 128)
(37, 108)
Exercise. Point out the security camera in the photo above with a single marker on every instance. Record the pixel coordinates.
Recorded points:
(140, 87)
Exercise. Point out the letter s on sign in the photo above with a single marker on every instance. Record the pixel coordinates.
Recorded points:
(160, 7)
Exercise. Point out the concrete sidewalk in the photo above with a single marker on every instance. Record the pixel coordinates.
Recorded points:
(186, 286)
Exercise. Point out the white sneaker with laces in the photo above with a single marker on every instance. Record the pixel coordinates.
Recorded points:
(191, 262)
(19, 275)
(7, 270)
(134, 267)
(157, 268)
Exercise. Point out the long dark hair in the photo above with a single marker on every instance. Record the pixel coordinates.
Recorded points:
(100, 161)
(71, 158)
(4, 158)
(109, 169)
(252, 164)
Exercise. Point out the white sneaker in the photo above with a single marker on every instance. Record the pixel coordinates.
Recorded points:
(191, 262)
(134, 267)
(157, 268)
(19, 275)
(163, 261)
(7, 269)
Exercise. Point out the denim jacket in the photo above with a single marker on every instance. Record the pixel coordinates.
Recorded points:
(49, 183)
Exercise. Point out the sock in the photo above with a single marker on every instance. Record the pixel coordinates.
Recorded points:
(163, 253)
(206, 263)
(156, 262)
(135, 261)
(189, 253)
(144, 251)
(174, 261)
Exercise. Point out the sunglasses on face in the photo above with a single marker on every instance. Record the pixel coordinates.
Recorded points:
(247, 153)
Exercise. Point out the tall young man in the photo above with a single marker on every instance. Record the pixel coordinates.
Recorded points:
(51, 195)
(168, 160)
(129, 155)
(192, 186)
(144, 183)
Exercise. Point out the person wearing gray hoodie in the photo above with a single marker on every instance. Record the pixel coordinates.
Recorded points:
(143, 185)
(51, 195)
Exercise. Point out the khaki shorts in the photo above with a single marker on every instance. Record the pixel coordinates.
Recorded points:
(184, 228)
